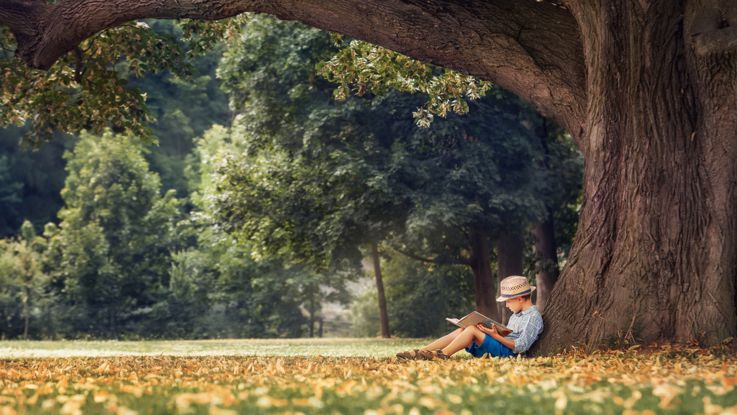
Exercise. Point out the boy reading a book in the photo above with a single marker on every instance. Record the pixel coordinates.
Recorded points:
(526, 324)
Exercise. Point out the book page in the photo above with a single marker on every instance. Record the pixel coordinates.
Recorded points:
(473, 318)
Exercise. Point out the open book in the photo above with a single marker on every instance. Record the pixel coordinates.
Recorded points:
(473, 318)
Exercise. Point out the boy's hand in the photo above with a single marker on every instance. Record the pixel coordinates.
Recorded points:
(490, 331)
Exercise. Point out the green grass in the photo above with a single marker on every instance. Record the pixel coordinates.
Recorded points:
(338, 347)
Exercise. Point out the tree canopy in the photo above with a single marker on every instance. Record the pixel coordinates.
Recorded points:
(317, 180)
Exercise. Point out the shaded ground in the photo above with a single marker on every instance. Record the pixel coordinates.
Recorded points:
(664, 380)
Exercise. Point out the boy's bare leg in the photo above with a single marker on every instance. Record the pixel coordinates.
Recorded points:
(464, 339)
(443, 341)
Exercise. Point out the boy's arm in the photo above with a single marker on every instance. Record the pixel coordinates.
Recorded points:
(495, 334)
(531, 328)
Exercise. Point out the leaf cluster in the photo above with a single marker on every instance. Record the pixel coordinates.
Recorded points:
(317, 179)
(361, 67)
(87, 89)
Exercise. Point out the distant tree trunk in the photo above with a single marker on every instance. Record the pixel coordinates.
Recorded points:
(111, 326)
(383, 314)
(484, 286)
(546, 250)
(319, 327)
(312, 316)
(26, 311)
(509, 252)
(546, 260)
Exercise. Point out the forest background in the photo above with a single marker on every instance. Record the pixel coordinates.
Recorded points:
(285, 182)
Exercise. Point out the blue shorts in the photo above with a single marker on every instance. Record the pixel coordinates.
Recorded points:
(491, 346)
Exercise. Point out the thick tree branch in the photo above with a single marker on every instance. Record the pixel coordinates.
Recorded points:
(530, 48)
(23, 17)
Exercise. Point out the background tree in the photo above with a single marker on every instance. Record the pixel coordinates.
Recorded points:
(168, 92)
(115, 236)
(23, 281)
(258, 296)
(440, 291)
(38, 191)
(477, 187)
(183, 102)
(362, 68)
(308, 213)
(552, 237)
(223, 301)
(422, 295)
(317, 180)
(10, 191)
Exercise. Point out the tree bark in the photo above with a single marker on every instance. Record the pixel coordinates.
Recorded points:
(654, 255)
(546, 258)
(383, 313)
(509, 251)
(483, 281)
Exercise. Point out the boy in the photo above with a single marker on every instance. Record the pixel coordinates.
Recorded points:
(526, 324)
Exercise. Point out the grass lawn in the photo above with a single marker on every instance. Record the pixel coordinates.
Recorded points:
(227, 377)
(344, 347)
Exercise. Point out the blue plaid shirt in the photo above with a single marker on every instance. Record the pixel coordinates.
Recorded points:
(526, 327)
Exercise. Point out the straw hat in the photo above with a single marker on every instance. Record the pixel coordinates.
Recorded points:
(514, 286)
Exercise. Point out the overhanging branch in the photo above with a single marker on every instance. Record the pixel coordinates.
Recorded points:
(530, 48)
(23, 17)
(44, 32)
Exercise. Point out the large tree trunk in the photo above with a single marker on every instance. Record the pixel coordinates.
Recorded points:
(546, 258)
(654, 256)
(509, 252)
(484, 287)
(383, 313)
